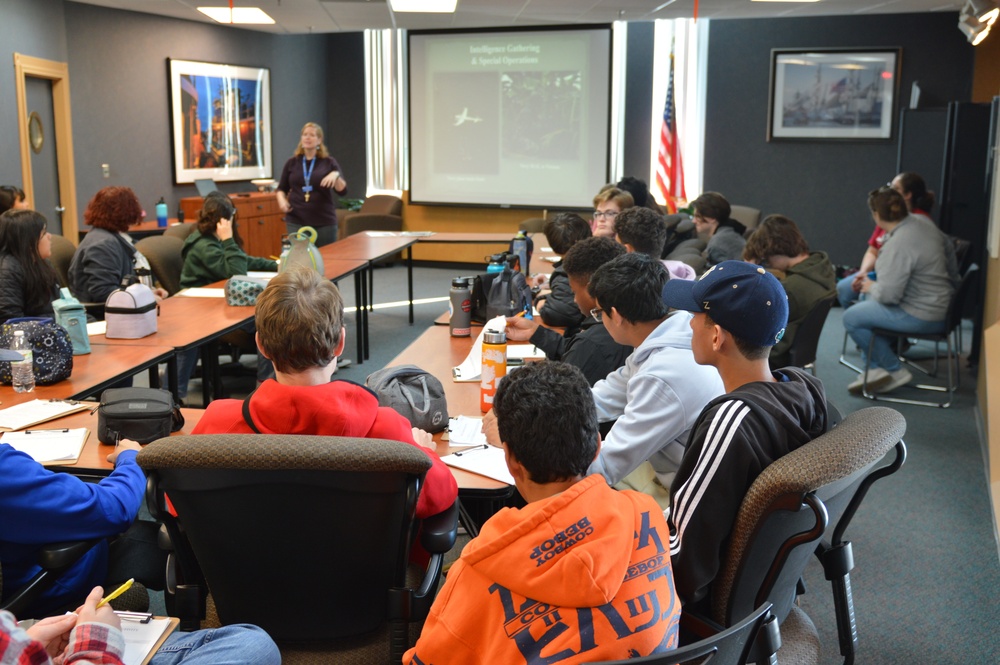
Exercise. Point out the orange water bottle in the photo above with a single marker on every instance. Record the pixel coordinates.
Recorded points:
(494, 367)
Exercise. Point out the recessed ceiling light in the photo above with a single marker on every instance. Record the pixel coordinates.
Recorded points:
(246, 15)
(424, 6)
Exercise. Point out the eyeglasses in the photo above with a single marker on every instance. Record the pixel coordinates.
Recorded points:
(598, 314)
(609, 214)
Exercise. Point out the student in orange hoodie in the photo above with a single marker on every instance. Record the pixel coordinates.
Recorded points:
(580, 574)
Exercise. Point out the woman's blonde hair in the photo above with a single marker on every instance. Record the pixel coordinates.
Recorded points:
(321, 150)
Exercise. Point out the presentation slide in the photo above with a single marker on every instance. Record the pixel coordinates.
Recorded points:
(509, 118)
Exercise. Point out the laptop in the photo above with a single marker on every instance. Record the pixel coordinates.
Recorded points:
(205, 186)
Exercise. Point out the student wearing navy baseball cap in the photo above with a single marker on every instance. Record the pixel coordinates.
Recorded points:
(740, 312)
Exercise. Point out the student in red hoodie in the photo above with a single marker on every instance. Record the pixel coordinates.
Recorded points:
(300, 328)
(580, 574)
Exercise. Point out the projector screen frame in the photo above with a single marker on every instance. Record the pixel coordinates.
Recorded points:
(520, 30)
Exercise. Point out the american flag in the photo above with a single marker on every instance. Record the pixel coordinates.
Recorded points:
(669, 169)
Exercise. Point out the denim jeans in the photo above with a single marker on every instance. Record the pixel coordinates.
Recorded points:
(862, 317)
(845, 294)
(238, 644)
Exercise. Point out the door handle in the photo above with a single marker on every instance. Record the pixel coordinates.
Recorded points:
(60, 209)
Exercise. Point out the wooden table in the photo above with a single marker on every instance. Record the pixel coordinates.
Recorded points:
(93, 460)
(371, 247)
(102, 368)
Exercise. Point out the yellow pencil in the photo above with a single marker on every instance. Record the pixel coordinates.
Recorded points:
(117, 592)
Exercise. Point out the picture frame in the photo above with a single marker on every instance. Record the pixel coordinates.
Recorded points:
(220, 121)
(833, 94)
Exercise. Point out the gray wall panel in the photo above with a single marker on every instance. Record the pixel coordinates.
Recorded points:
(121, 116)
(30, 27)
(821, 185)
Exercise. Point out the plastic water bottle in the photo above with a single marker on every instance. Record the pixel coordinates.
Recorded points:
(161, 213)
(22, 371)
(494, 367)
(520, 247)
(460, 305)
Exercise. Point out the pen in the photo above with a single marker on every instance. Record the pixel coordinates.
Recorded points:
(32, 431)
(482, 446)
(519, 314)
(117, 592)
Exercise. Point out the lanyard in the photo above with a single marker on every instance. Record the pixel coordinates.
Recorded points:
(307, 174)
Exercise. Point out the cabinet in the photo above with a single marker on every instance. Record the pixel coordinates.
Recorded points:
(260, 223)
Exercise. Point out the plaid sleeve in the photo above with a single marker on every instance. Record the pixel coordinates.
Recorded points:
(95, 643)
(16, 646)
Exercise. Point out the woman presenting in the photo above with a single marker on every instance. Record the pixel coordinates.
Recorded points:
(305, 192)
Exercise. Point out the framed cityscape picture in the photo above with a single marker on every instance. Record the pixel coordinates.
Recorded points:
(220, 121)
(836, 94)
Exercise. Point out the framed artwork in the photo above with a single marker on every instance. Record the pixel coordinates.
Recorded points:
(220, 121)
(837, 94)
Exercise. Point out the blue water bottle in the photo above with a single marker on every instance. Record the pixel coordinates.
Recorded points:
(161, 213)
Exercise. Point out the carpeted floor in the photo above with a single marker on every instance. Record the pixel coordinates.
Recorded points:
(927, 575)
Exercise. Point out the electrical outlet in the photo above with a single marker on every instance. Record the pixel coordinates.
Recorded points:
(106, 170)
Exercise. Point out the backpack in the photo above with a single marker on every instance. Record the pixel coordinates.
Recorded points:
(412, 392)
(50, 345)
(509, 294)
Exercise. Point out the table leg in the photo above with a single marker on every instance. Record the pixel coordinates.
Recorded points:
(409, 278)
(358, 311)
(368, 296)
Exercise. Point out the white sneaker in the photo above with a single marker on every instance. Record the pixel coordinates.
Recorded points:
(897, 379)
(876, 377)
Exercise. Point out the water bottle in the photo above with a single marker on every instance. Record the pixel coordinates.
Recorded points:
(494, 367)
(180, 215)
(496, 263)
(460, 306)
(161, 213)
(22, 371)
(520, 247)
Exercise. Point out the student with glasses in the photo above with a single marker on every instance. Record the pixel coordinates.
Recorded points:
(607, 204)
(656, 396)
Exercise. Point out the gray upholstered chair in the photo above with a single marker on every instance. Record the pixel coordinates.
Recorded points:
(745, 215)
(381, 212)
(165, 260)
(788, 510)
(307, 537)
(532, 225)
(181, 231)
(62, 255)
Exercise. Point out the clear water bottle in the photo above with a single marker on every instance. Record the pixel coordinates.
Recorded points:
(22, 371)
(520, 248)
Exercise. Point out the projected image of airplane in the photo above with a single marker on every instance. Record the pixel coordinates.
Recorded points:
(464, 117)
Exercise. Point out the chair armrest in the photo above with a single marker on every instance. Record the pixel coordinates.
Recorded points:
(59, 556)
(439, 532)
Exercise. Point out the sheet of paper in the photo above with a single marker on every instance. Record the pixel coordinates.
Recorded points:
(417, 234)
(36, 411)
(466, 431)
(472, 367)
(43, 445)
(202, 292)
(381, 234)
(487, 461)
(524, 352)
(97, 328)
(140, 638)
(260, 274)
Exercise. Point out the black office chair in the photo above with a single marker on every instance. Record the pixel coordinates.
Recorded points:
(785, 514)
(950, 336)
(54, 560)
(802, 352)
(730, 646)
(62, 255)
(306, 537)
